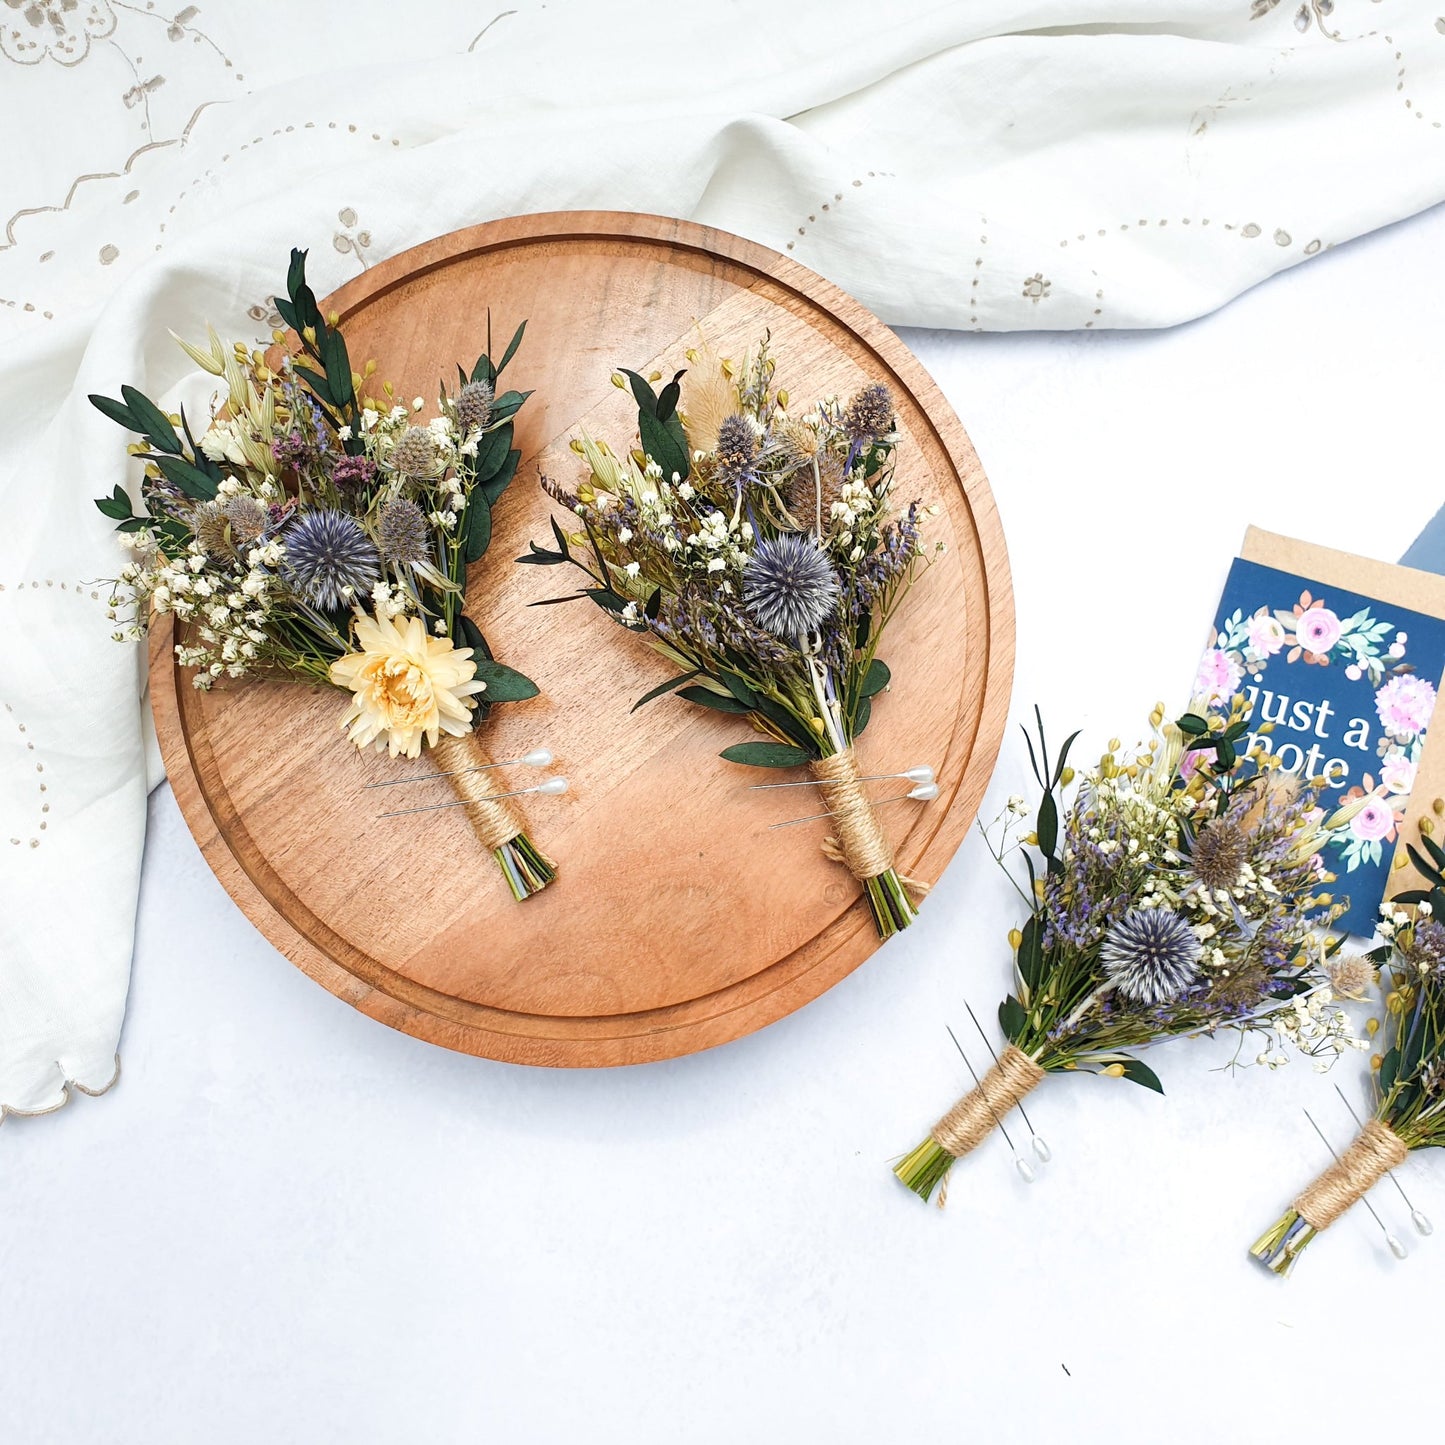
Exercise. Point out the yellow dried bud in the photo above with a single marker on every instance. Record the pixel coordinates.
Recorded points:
(654, 376)
(278, 336)
(1401, 859)
(1325, 898)
(1372, 1027)
(1066, 777)
(816, 723)
(334, 319)
(1426, 826)
(309, 335)
(783, 399)
(368, 368)
(619, 381)
(1264, 729)
(1114, 745)
(1038, 887)
(1015, 939)
(1156, 718)
(1114, 1071)
(1032, 839)
(1375, 1062)
(1438, 807)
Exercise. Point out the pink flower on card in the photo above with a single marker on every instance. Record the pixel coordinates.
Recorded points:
(1317, 629)
(1218, 676)
(1404, 705)
(1397, 774)
(1266, 634)
(1374, 821)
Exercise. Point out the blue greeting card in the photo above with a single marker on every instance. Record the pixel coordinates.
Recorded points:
(1349, 684)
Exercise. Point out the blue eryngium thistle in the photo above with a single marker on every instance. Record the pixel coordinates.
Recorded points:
(330, 560)
(1151, 955)
(789, 585)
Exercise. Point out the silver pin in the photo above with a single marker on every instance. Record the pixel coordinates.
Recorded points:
(1040, 1148)
(1418, 1217)
(1025, 1169)
(537, 758)
(1395, 1246)
(921, 774)
(923, 793)
(552, 788)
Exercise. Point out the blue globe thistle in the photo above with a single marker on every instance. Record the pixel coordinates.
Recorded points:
(330, 560)
(789, 584)
(1151, 955)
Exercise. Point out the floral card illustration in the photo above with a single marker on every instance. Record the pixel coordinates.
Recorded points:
(1348, 685)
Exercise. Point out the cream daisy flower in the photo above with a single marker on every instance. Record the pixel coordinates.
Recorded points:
(407, 686)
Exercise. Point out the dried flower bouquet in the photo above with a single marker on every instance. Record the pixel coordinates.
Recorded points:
(758, 548)
(1410, 1078)
(1179, 891)
(311, 533)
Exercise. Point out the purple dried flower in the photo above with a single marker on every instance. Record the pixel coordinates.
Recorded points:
(353, 473)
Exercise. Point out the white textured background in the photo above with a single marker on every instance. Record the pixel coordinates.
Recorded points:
(289, 1223)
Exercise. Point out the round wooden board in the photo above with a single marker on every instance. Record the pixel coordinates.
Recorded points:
(678, 920)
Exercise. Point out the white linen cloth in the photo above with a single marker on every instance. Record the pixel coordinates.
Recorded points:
(989, 165)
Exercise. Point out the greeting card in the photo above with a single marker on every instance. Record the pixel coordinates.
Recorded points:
(1340, 662)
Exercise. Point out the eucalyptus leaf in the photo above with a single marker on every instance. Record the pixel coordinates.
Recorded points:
(875, 679)
(641, 390)
(766, 755)
(154, 424)
(665, 687)
(666, 443)
(706, 697)
(1138, 1072)
(1047, 827)
(117, 411)
(1012, 1018)
(478, 535)
(505, 684)
(511, 350)
(501, 479)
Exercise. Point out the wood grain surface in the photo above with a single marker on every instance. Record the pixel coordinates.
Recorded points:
(678, 920)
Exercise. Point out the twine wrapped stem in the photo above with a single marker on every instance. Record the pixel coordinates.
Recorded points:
(495, 823)
(859, 844)
(977, 1114)
(1374, 1153)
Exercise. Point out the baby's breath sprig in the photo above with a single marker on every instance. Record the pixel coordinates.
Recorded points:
(1173, 892)
(759, 549)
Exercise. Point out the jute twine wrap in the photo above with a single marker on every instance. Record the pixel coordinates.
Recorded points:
(860, 843)
(493, 822)
(1376, 1151)
(977, 1114)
